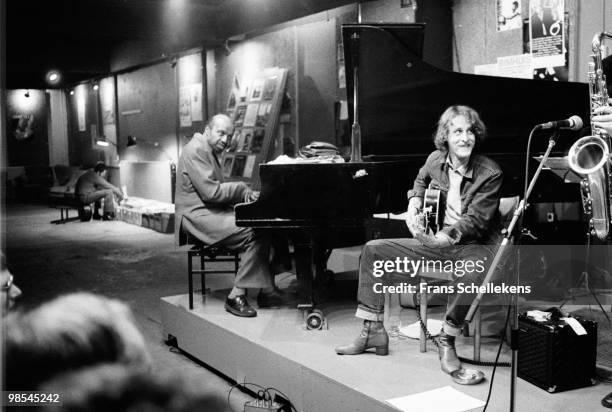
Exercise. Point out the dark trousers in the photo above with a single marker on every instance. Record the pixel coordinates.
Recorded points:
(254, 267)
(371, 303)
(95, 197)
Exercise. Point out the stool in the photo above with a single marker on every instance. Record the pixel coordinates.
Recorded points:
(208, 253)
(84, 212)
(507, 205)
(447, 277)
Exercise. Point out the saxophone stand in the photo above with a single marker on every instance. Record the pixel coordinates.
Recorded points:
(516, 218)
(584, 276)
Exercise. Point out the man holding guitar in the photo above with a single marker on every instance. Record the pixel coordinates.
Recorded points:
(462, 225)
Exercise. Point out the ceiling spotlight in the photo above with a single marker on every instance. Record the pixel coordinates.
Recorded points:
(53, 77)
(96, 86)
(27, 93)
(71, 92)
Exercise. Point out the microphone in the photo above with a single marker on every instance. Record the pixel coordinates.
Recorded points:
(573, 123)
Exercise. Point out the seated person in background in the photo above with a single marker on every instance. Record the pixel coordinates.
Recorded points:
(69, 333)
(205, 209)
(470, 184)
(9, 292)
(114, 387)
(92, 186)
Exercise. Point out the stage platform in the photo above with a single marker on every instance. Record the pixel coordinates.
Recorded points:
(274, 350)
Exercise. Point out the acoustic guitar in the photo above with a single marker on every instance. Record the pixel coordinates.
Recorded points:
(430, 216)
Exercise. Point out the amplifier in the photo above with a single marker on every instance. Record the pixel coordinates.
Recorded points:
(553, 357)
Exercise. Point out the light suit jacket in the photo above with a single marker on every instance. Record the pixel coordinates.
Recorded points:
(202, 196)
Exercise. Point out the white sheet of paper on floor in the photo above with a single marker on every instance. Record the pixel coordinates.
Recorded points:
(445, 399)
(414, 329)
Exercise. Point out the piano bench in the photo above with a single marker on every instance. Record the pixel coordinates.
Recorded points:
(208, 253)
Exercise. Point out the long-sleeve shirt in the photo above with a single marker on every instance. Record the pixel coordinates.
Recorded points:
(90, 182)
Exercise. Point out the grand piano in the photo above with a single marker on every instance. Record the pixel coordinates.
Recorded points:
(400, 98)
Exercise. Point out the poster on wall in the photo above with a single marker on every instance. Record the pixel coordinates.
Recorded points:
(22, 127)
(107, 101)
(341, 67)
(227, 165)
(185, 106)
(256, 106)
(248, 166)
(519, 66)
(258, 85)
(509, 15)
(251, 115)
(231, 102)
(196, 102)
(269, 88)
(93, 132)
(546, 33)
(81, 110)
(108, 116)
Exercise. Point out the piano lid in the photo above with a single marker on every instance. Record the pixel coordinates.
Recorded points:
(401, 96)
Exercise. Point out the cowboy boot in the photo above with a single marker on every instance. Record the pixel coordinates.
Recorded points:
(449, 362)
(373, 335)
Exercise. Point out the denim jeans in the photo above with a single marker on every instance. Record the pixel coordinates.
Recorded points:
(371, 303)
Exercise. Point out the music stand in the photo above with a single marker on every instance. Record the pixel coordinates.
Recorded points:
(560, 167)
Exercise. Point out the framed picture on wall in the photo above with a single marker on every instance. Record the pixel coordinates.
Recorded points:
(269, 88)
(251, 115)
(258, 85)
(244, 142)
(239, 116)
(238, 166)
(233, 145)
(227, 165)
(258, 139)
(248, 166)
(263, 114)
(231, 101)
(256, 122)
(22, 127)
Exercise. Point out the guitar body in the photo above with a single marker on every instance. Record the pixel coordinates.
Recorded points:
(431, 212)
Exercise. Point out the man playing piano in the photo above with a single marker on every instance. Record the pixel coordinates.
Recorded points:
(470, 184)
(205, 209)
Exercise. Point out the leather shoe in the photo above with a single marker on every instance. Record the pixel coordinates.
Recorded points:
(108, 216)
(273, 299)
(240, 306)
(97, 216)
(449, 361)
(606, 402)
(373, 335)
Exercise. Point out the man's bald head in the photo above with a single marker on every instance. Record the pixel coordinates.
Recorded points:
(219, 132)
(219, 119)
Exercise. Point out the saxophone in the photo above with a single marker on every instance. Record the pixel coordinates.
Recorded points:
(590, 155)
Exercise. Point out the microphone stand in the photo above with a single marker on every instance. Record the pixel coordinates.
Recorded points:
(356, 128)
(518, 212)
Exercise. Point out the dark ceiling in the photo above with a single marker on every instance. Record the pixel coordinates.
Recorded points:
(77, 37)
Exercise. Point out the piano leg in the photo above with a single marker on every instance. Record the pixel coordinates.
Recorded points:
(308, 269)
(305, 270)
